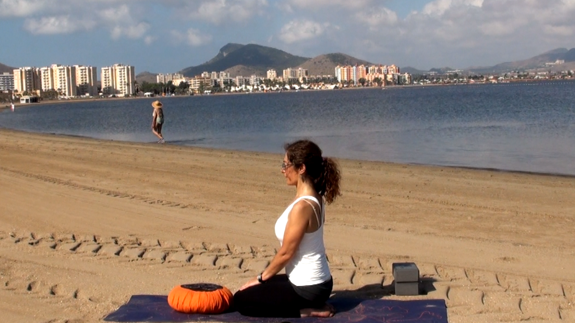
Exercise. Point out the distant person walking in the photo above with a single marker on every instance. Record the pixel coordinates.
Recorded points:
(158, 120)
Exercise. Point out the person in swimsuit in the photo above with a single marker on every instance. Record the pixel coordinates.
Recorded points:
(158, 120)
(307, 283)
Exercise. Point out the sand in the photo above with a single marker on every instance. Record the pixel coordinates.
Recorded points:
(85, 224)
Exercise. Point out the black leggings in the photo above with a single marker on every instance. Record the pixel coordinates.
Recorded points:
(278, 298)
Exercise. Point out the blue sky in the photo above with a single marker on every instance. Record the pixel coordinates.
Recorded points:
(165, 36)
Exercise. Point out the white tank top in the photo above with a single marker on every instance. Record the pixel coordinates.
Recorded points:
(309, 264)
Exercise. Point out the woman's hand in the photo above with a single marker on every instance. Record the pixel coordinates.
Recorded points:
(250, 283)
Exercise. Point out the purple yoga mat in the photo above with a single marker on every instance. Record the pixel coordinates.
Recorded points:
(155, 308)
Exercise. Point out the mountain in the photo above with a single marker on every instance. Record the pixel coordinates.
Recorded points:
(570, 55)
(258, 58)
(146, 77)
(412, 70)
(224, 51)
(325, 64)
(531, 63)
(6, 69)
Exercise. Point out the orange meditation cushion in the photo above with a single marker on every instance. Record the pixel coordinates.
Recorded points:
(200, 298)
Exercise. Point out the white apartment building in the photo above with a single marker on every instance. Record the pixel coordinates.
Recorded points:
(165, 78)
(86, 80)
(59, 78)
(6, 81)
(47, 81)
(271, 74)
(291, 73)
(27, 80)
(68, 81)
(118, 80)
(255, 80)
(196, 82)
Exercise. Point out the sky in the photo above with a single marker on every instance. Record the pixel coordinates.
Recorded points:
(166, 36)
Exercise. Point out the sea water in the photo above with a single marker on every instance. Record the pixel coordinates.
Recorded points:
(526, 127)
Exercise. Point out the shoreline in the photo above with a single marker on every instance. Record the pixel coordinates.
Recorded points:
(87, 223)
(80, 100)
(489, 169)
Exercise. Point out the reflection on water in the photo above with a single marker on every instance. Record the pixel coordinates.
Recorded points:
(524, 127)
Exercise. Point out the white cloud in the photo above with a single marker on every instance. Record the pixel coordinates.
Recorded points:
(566, 31)
(192, 37)
(23, 8)
(57, 25)
(129, 31)
(292, 5)
(377, 18)
(149, 40)
(299, 30)
(77, 16)
(219, 12)
(440, 7)
(495, 20)
(121, 23)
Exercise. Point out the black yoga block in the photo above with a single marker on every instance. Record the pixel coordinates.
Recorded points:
(405, 272)
(407, 288)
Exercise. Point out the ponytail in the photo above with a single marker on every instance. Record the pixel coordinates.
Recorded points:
(329, 179)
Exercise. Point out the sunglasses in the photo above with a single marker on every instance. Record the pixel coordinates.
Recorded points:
(285, 165)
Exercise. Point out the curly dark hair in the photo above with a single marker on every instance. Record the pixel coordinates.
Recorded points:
(323, 172)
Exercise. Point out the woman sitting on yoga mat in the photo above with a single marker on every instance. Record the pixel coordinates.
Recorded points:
(307, 284)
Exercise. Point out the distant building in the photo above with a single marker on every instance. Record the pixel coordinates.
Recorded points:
(6, 81)
(355, 73)
(198, 81)
(557, 62)
(165, 78)
(28, 99)
(86, 80)
(68, 81)
(59, 78)
(26, 80)
(291, 73)
(118, 80)
(271, 74)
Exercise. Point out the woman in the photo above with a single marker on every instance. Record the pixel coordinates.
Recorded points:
(158, 120)
(307, 284)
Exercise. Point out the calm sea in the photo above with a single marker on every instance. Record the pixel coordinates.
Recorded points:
(520, 127)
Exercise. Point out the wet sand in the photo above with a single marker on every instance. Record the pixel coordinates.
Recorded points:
(85, 224)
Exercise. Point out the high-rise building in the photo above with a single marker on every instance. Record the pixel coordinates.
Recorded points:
(27, 80)
(272, 75)
(68, 81)
(291, 73)
(6, 81)
(59, 78)
(47, 79)
(86, 80)
(165, 78)
(118, 80)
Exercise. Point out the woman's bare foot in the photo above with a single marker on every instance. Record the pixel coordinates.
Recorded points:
(326, 311)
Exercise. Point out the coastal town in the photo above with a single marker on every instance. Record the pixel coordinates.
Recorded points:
(119, 80)
(57, 82)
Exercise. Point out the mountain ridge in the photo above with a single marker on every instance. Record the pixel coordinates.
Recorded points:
(6, 69)
(231, 56)
(257, 57)
(538, 61)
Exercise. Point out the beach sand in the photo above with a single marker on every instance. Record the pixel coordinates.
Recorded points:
(85, 224)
